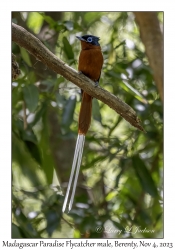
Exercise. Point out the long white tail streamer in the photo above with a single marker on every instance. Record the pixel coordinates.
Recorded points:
(75, 167)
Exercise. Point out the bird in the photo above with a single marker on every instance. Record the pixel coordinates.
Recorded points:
(90, 64)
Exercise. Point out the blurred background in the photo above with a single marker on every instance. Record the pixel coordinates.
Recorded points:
(120, 187)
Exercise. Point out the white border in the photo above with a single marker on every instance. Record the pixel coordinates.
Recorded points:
(5, 96)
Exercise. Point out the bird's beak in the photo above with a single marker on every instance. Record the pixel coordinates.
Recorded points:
(80, 38)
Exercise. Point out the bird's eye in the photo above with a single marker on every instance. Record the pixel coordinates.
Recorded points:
(89, 40)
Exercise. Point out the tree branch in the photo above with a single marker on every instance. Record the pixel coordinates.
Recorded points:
(35, 47)
(152, 39)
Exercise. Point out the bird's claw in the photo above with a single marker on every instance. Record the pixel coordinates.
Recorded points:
(96, 84)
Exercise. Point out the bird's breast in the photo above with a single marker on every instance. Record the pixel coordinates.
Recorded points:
(90, 63)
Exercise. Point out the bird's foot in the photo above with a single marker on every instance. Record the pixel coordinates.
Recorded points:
(96, 84)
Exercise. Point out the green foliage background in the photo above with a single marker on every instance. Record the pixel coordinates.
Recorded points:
(121, 182)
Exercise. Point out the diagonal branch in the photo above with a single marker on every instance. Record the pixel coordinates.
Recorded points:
(35, 47)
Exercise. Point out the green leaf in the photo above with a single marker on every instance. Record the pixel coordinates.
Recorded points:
(34, 150)
(77, 234)
(57, 26)
(118, 177)
(60, 100)
(31, 194)
(122, 43)
(91, 17)
(68, 48)
(68, 112)
(145, 217)
(34, 21)
(118, 225)
(126, 86)
(31, 96)
(53, 221)
(111, 195)
(26, 134)
(69, 25)
(25, 56)
(24, 165)
(39, 113)
(16, 96)
(47, 85)
(16, 232)
(26, 226)
(96, 110)
(60, 79)
(144, 176)
(47, 155)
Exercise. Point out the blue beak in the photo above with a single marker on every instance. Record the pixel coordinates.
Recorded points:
(80, 38)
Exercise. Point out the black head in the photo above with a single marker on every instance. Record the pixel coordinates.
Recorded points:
(89, 39)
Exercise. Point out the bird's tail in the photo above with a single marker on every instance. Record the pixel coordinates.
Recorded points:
(85, 114)
(83, 126)
(74, 172)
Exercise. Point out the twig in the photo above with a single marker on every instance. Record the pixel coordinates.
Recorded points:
(71, 225)
(25, 115)
(35, 47)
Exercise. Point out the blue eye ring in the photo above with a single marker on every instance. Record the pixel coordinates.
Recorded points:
(89, 40)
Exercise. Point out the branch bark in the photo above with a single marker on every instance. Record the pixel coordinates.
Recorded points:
(35, 47)
(153, 40)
